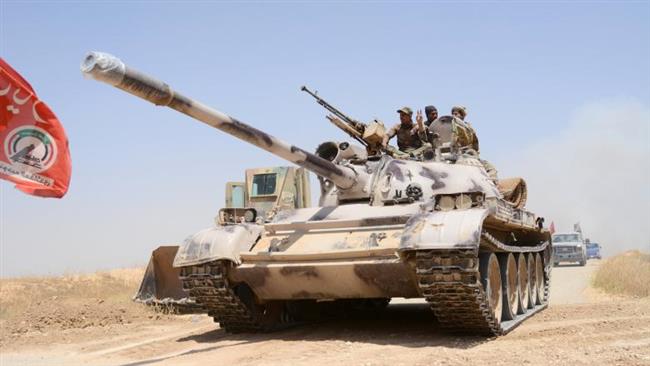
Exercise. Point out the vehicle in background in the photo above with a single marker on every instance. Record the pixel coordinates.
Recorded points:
(593, 251)
(264, 191)
(569, 247)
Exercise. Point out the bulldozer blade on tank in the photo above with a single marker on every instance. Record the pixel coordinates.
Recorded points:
(161, 284)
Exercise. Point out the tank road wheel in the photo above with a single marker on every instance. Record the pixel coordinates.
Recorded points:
(539, 278)
(509, 279)
(491, 281)
(524, 290)
(532, 280)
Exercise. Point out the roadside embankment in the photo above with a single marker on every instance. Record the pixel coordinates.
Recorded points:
(625, 274)
(36, 305)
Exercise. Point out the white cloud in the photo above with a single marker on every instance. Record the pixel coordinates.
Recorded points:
(597, 172)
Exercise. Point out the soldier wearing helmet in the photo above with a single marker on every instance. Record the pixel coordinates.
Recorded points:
(408, 133)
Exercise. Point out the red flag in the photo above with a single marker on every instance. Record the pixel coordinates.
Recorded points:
(551, 228)
(34, 150)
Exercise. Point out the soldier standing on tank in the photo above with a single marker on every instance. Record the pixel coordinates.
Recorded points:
(408, 133)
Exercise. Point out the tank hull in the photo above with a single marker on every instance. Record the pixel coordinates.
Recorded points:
(377, 276)
(330, 255)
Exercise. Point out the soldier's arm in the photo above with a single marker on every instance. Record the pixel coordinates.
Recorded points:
(423, 134)
(420, 128)
(419, 119)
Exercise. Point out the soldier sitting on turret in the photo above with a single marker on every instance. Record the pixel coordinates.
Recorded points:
(431, 112)
(455, 133)
(408, 133)
(466, 134)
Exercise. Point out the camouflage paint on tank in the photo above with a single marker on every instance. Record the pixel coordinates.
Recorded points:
(388, 227)
(219, 242)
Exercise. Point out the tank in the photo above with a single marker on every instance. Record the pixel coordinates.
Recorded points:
(439, 229)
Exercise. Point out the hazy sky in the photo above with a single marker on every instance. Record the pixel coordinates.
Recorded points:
(559, 93)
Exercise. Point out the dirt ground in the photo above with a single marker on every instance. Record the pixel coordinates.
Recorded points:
(581, 327)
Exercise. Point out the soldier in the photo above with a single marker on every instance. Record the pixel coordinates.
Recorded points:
(408, 136)
(459, 112)
(467, 138)
(431, 113)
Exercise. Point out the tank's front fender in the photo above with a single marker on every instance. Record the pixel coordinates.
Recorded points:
(219, 242)
(456, 229)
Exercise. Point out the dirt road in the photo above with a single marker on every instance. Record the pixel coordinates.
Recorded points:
(571, 284)
(580, 327)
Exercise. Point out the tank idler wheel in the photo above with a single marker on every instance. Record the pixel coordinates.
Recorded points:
(491, 281)
(510, 286)
(532, 280)
(524, 289)
(539, 278)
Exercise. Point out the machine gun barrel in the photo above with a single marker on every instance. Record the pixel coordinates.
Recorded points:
(342, 116)
(111, 70)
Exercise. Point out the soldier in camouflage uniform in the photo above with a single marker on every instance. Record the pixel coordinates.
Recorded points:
(467, 138)
(408, 133)
(466, 134)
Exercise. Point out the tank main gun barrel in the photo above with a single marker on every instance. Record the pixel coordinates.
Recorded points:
(111, 70)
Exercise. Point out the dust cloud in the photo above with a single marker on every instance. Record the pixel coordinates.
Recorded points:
(595, 171)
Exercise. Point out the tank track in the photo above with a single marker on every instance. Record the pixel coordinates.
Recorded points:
(450, 282)
(173, 306)
(208, 285)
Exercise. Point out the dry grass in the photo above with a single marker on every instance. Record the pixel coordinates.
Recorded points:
(625, 274)
(116, 287)
(42, 304)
